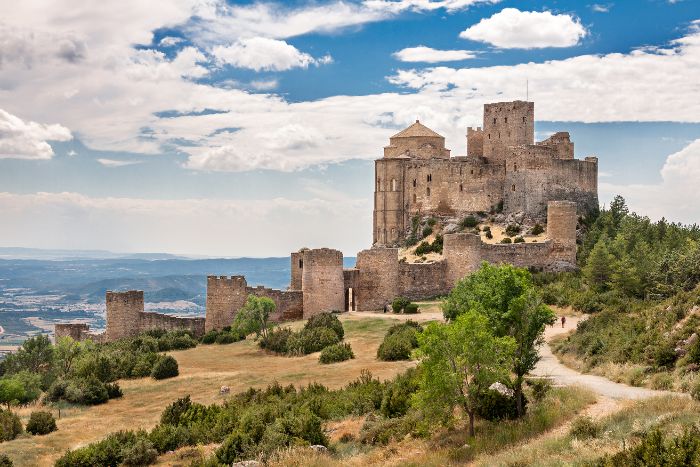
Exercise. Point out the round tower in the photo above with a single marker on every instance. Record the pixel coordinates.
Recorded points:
(462, 252)
(322, 281)
(123, 314)
(561, 229)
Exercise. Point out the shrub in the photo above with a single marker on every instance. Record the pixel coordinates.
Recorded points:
(41, 423)
(432, 221)
(10, 425)
(584, 427)
(311, 340)
(113, 390)
(336, 353)
(679, 450)
(5, 461)
(512, 230)
(537, 229)
(399, 304)
(108, 452)
(379, 431)
(140, 453)
(233, 447)
(695, 391)
(540, 387)
(165, 367)
(411, 309)
(210, 337)
(661, 381)
(469, 222)
(88, 391)
(506, 240)
(168, 437)
(519, 240)
(423, 249)
(227, 338)
(492, 405)
(489, 235)
(395, 347)
(276, 340)
(427, 230)
(486, 228)
(396, 398)
(326, 320)
(665, 355)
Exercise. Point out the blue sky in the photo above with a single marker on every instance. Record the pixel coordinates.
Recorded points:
(249, 128)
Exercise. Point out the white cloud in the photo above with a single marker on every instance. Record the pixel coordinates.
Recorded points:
(72, 153)
(429, 55)
(601, 8)
(398, 6)
(512, 28)
(675, 197)
(264, 85)
(170, 41)
(138, 225)
(264, 54)
(116, 163)
(28, 140)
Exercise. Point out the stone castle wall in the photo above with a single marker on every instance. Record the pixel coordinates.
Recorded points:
(378, 278)
(165, 322)
(421, 281)
(225, 296)
(76, 331)
(323, 281)
(123, 314)
(289, 304)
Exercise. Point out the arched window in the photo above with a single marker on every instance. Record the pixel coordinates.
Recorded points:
(472, 172)
(461, 188)
(489, 135)
(393, 184)
(512, 188)
(301, 263)
(523, 119)
(414, 183)
(494, 120)
(414, 198)
(515, 167)
(506, 120)
(427, 191)
(379, 184)
(460, 170)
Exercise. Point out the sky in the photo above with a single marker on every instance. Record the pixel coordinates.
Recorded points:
(249, 128)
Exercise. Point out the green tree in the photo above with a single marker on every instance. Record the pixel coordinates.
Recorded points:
(67, 352)
(35, 356)
(254, 317)
(11, 391)
(599, 268)
(458, 360)
(507, 297)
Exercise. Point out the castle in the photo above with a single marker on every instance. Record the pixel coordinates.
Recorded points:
(504, 170)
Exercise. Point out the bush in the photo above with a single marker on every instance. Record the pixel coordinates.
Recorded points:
(5, 461)
(276, 340)
(114, 391)
(10, 425)
(468, 222)
(512, 230)
(695, 391)
(396, 399)
(411, 309)
(583, 428)
(661, 381)
(506, 240)
(41, 423)
(336, 353)
(423, 249)
(311, 340)
(227, 338)
(399, 304)
(432, 221)
(165, 367)
(233, 448)
(427, 230)
(172, 413)
(519, 240)
(395, 347)
(492, 406)
(537, 230)
(210, 337)
(540, 387)
(88, 391)
(140, 453)
(679, 450)
(489, 235)
(378, 431)
(108, 452)
(326, 320)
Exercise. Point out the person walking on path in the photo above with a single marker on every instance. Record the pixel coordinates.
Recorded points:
(563, 321)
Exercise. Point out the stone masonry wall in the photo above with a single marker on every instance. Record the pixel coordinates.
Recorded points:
(225, 296)
(289, 304)
(149, 321)
(75, 331)
(297, 269)
(322, 281)
(123, 314)
(421, 281)
(378, 280)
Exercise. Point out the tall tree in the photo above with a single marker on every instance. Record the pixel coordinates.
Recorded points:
(254, 317)
(599, 268)
(506, 296)
(458, 360)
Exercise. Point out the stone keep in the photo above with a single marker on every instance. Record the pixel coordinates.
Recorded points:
(322, 281)
(225, 296)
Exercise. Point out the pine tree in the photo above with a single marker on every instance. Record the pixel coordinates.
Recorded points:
(599, 269)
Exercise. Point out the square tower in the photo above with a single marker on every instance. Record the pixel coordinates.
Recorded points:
(507, 124)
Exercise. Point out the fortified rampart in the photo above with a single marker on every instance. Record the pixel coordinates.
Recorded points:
(504, 166)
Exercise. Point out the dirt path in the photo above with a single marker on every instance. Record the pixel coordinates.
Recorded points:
(550, 366)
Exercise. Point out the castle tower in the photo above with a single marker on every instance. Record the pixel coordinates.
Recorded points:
(561, 229)
(322, 281)
(378, 278)
(225, 296)
(297, 269)
(123, 314)
(475, 142)
(462, 252)
(507, 124)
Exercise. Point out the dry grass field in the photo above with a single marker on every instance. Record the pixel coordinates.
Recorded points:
(203, 370)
